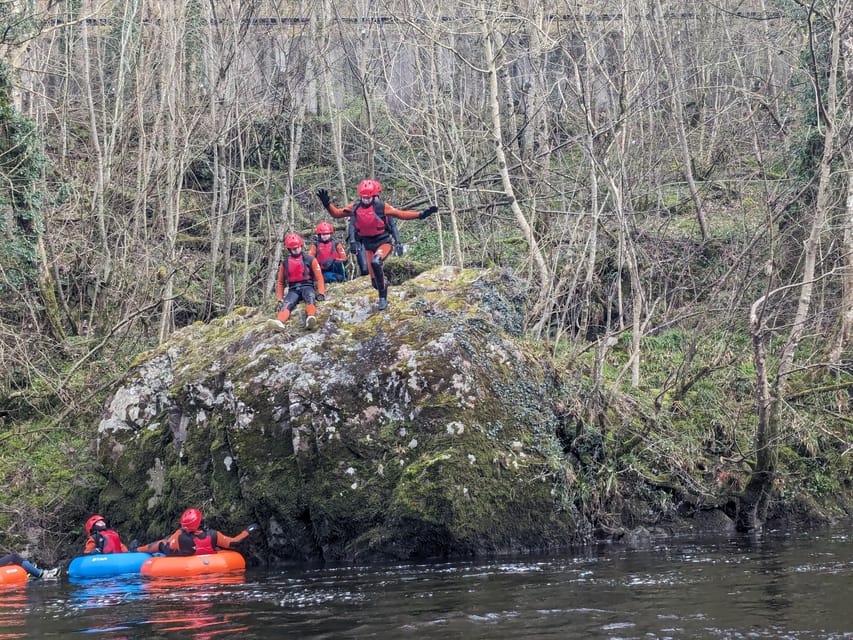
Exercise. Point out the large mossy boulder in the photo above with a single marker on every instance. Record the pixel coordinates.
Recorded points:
(413, 432)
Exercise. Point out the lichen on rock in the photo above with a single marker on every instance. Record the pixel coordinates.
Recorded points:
(406, 433)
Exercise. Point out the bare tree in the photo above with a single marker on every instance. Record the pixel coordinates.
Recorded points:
(844, 332)
(771, 386)
(486, 21)
(676, 95)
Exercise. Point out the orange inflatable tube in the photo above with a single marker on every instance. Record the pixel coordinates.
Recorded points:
(13, 574)
(179, 566)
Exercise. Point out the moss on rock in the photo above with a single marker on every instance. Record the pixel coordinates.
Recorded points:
(394, 434)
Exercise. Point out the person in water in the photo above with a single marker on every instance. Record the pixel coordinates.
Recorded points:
(100, 538)
(370, 218)
(193, 539)
(329, 254)
(29, 567)
(303, 277)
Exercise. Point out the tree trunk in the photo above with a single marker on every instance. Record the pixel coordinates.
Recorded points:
(754, 503)
(676, 96)
(497, 139)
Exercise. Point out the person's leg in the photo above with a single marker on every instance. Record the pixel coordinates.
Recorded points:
(308, 295)
(291, 299)
(380, 281)
(30, 568)
(361, 259)
(339, 272)
(16, 558)
(11, 558)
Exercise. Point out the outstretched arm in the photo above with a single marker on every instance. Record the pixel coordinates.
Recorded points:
(405, 214)
(151, 547)
(227, 542)
(334, 211)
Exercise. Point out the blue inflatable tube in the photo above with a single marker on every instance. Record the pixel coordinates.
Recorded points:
(102, 565)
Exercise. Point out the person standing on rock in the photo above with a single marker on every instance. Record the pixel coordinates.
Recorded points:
(303, 277)
(370, 218)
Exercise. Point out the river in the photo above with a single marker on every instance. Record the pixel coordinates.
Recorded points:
(795, 586)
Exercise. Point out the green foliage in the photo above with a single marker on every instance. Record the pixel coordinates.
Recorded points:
(21, 197)
(267, 145)
(47, 474)
(18, 21)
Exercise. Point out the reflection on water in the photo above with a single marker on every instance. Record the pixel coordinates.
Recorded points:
(200, 621)
(187, 606)
(796, 587)
(192, 607)
(13, 600)
(206, 584)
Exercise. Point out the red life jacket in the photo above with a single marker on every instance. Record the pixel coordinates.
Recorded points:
(204, 543)
(107, 541)
(325, 250)
(298, 269)
(369, 219)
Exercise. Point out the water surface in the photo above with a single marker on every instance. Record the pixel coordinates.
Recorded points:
(783, 586)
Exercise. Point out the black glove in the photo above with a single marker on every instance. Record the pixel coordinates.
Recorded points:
(426, 213)
(320, 297)
(328, 265)
(134, 545)
(163, 547)
(398, 250)
(324, 197)
(279, 305)
(252, 528)
(353, 247)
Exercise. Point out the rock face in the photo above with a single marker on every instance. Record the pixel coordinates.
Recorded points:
(418, 431)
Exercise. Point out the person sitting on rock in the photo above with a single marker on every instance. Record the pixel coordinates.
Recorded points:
(100, 538)
(29, 567)
(192, 539)
(371, 228)
(329, 254)
(301, 273)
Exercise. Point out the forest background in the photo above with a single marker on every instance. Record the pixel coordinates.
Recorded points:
(670, 180)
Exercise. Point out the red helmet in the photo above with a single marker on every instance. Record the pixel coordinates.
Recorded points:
(91, 523)
(292, 240)
(369, 188)
(191, 519)
(324, 227)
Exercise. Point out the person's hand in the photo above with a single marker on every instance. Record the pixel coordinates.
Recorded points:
(353, 247)
(324, 197)
(279, 305)
(321, 297)
(426, 213)
(134, 545)
(398, 250)
(163, 547)
(252, 528)
(328, 265)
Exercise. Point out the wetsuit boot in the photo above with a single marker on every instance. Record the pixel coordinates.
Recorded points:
(379, 282)
(310, 316)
